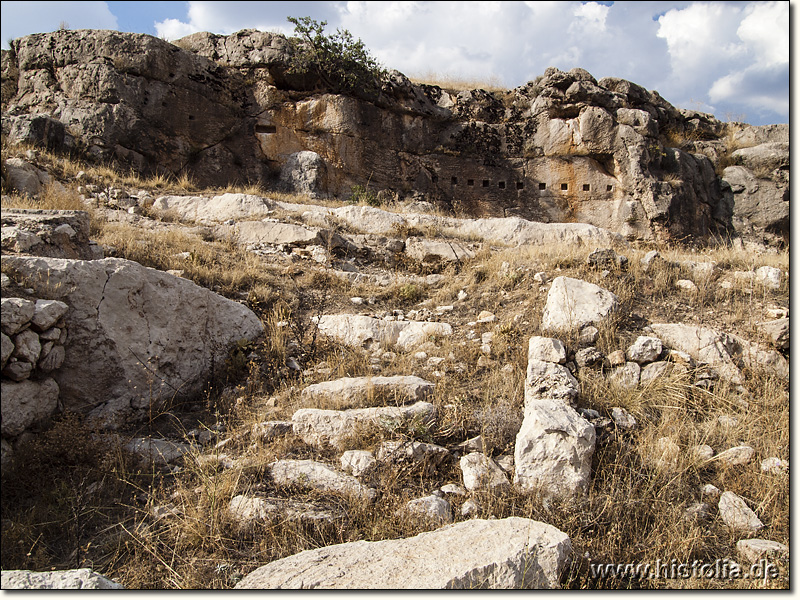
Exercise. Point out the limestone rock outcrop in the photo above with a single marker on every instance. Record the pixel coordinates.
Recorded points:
(564, 147)
(512, 553)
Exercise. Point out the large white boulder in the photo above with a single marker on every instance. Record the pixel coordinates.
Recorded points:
(553, 451)
(512, 553)
(137, 336)
(217, 209)
(573, 303)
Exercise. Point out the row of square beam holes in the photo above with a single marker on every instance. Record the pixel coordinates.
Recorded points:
(521, 185)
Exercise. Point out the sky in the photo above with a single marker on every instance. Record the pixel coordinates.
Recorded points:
(730, 59)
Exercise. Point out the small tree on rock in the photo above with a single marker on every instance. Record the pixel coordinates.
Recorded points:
(342, 63)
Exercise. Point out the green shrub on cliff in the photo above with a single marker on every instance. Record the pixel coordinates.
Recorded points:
(342, 63)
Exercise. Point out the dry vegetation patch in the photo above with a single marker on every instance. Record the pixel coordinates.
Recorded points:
(78, 501)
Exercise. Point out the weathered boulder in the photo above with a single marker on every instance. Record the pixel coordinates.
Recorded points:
(319, 476)
(353, 391)
(430, 456)
(546, 349)
(47, 313)
(137, 336)
(645, 349)
(622, 418)
(269, 430)
(357, 462)
(157, 451)
(550, 381)
(572, 304)
(754, 549)
(738, 455)
(432, 508)
(737, 515)
(758, 203)
(553, 451)
(25, 403)
(331, 427)
(201, 209)
(763, 158)
(16, 314)
(627, 375)
(25, 178)
(247, 510)
(722, 351)
(272, 233)
(512, 553)
(481, 472)
(774, 466)
(74, 579)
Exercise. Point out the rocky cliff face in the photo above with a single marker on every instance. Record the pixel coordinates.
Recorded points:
(224, 109)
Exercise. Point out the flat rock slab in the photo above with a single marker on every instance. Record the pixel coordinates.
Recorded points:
(74, 579)
(219, 208)
(430, 251)
(358, 330)
(512, 553)
(511, 231)
(272, 233)
(322, 427)
(755, 549)
(349, 391)
(319, 476)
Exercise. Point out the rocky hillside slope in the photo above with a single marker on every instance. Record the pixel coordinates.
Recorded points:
(562, 148)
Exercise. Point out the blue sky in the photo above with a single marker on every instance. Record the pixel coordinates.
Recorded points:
(727, 58)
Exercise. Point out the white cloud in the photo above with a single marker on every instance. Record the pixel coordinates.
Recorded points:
(24, 18)
(735, 55)
(173, 29)
(765, 30)
(713, 56)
